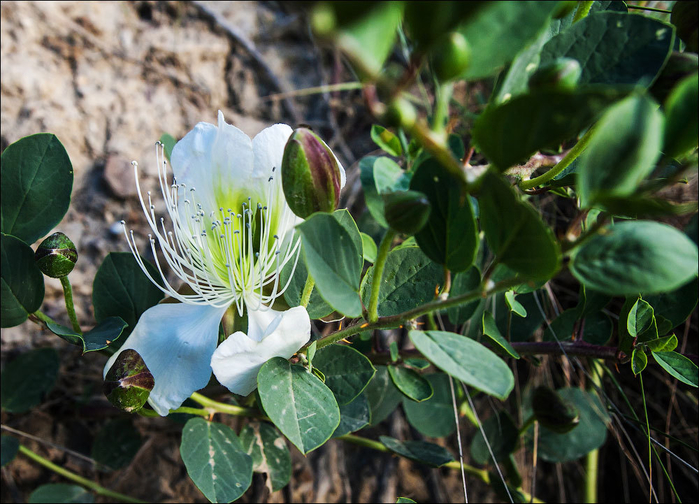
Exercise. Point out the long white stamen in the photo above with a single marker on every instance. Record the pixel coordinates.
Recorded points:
(215, 251)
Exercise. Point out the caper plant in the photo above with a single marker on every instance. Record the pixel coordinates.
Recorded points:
(260, 286)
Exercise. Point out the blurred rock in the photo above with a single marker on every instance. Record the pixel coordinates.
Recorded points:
(119, 176)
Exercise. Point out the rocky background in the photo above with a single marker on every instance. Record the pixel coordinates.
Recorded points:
(109, 78)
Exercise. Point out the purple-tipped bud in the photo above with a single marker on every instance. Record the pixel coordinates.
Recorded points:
(310, 174)
(128, 382)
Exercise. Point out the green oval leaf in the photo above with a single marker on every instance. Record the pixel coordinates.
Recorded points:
(386, 140)
(379, 175)
(465, 360)
(682, 122)
(121, 289)
(464, 282)
(269, 453)
(334, 262)
(622, 152)
(98, 338)
(409, 280)
(614, 48)
(317, 307)
(515, 232)
(383, 395)
(552, 117)
(679, 366)
(22, 282)
(215, 460)
(420, 451)
(491, 331)
(410, 383)
(450, 236)
(298, 403)
(353, 416)
(347, 371)
(28, 379)
(368, 248)
(633, 257)
(37, 178)
(639, 360)
(590, 433)
(435, 416)
(498, 30)
(61, 493)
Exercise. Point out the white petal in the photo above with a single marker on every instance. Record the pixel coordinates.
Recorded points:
(237, 360)
(218, 162)
(231, 156)
(191, 162)
(176, 341)
(268, 148)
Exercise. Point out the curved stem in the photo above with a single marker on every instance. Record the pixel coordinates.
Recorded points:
(563, 163)
(229, 409)
(182, 409)
(307, 291)
(74, 477)
(381, 256)
(68, 294)
(41, 316)
(397, 320)
(443, 94)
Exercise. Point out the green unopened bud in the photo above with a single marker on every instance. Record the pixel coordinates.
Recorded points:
(128, 382)
(400, 114)
(561, 74)
(406, 211)
(451, 56)
(56, 255)
(310, 174)
(553, 412)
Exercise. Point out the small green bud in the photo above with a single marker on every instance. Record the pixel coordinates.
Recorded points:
(406, 211)
(451, 56)
(561, 74)
(310, 174)
(553, 412)
(128, 382)
(400, 114)
(323, 19)
(56, 255)
(563, 9)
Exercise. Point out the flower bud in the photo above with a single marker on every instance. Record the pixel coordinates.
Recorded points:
(406, 211)
(400, 114)
(56, 255)
(553, 412)
(310, 174)
(128, 382)
(561, 74)
(451, 57)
